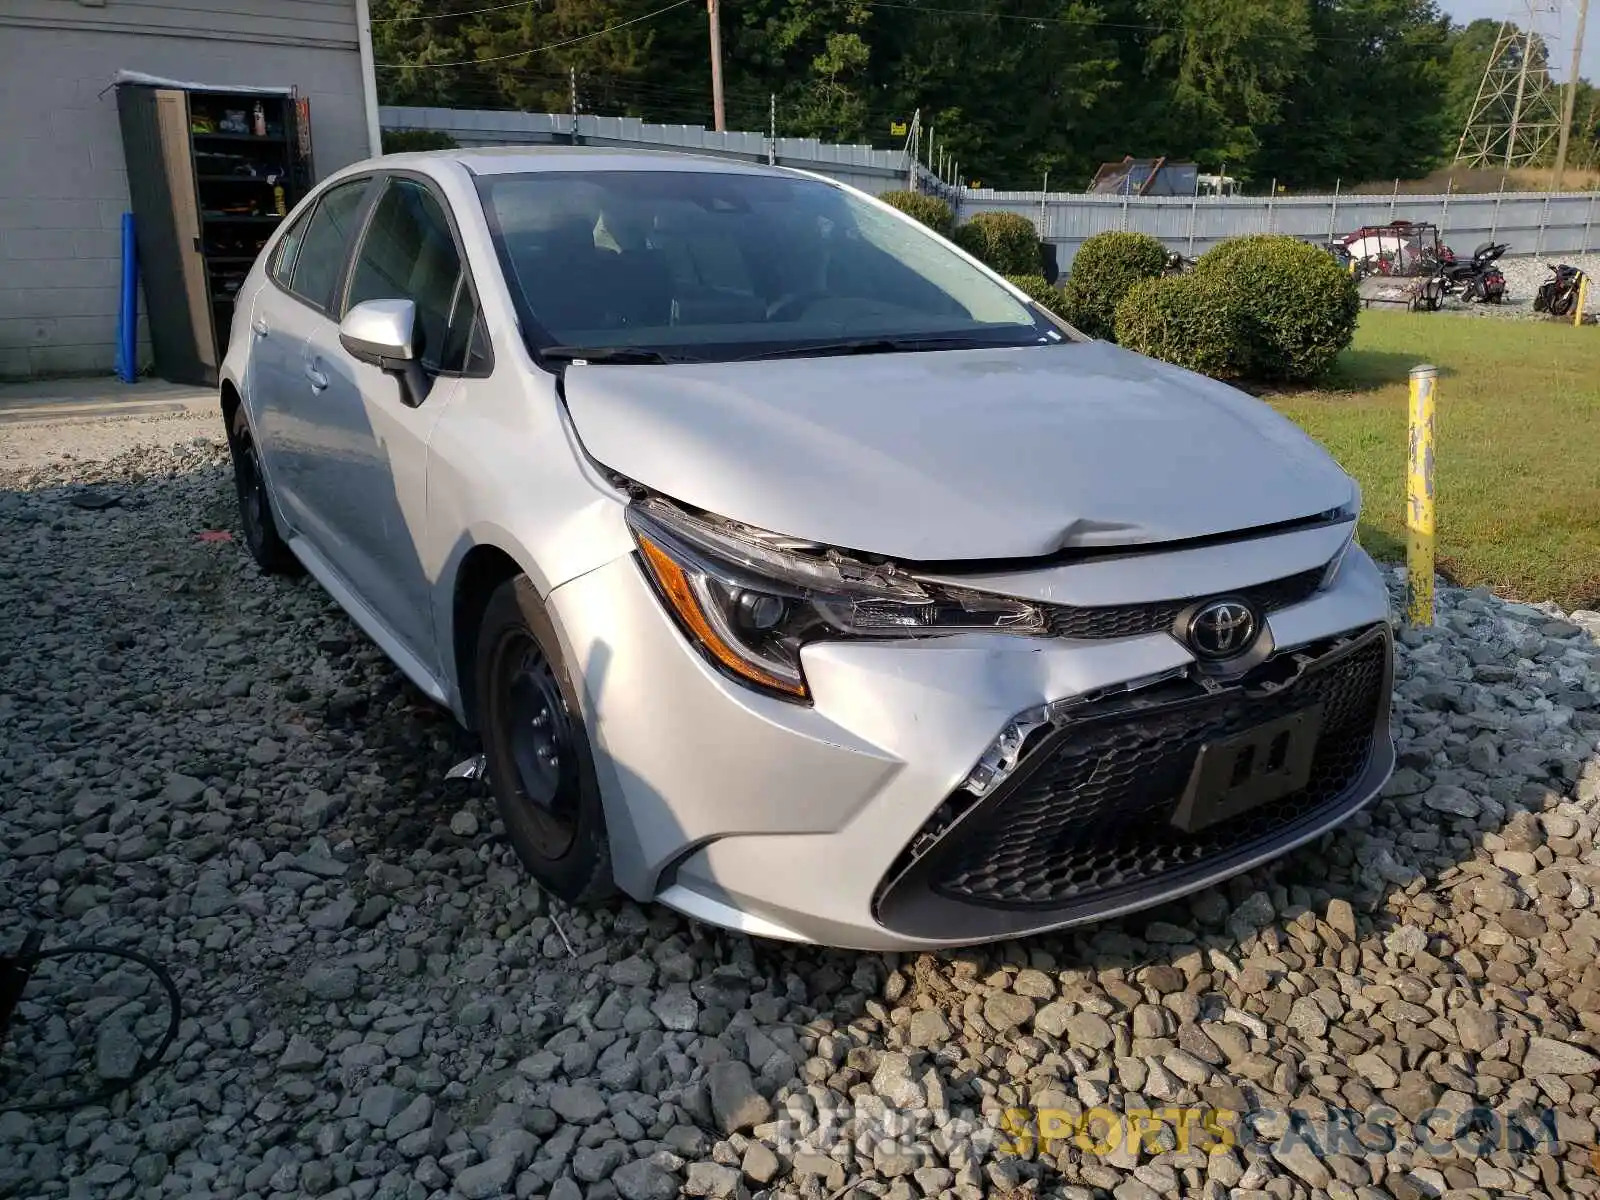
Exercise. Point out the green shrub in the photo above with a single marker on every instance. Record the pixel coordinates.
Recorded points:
(930, 210)
(1041, 290)
(1187, 320)
(1004, 242)
(1103, 270)
(400, 141)
(1297, 307)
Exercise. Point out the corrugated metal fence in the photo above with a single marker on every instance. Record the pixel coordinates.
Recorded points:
(1533, 222)
(874, 171)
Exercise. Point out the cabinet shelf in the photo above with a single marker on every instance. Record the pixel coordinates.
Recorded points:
(267, 140)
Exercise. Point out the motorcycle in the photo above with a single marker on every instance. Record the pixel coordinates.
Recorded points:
(1480, 277)
(1558, 295)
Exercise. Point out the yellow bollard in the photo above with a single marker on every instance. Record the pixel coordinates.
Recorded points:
(1583, 299)
(1419, 497)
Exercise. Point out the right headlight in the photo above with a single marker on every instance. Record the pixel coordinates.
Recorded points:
(749, 601)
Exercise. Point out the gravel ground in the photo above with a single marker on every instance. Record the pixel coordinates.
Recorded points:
(1523, 277)
(27, 446)
(216, 769)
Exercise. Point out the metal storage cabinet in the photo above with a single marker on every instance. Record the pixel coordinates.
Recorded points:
(211, 172)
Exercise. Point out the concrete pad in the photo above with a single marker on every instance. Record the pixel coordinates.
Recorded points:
(99, 398)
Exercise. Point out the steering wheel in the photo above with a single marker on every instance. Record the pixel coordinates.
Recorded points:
(793, 304)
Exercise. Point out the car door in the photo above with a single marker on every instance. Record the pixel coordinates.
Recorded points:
(368, 483)
(296, 302)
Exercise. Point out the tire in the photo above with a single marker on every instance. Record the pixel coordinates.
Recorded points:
(261, 534)
(540, 766)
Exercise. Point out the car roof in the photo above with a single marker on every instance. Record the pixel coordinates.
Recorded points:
(504, 160)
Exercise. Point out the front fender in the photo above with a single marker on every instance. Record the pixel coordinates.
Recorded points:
(497, 536)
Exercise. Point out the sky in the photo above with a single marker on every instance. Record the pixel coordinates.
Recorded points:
(1557, 20)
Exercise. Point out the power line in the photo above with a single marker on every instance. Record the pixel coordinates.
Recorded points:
(444, 16)
(478, 62)
(925, 10)
(1081, 22)
(651, 92)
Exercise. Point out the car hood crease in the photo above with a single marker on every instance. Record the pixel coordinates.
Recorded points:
(949, 455)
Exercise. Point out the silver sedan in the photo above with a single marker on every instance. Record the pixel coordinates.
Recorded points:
(795, 570)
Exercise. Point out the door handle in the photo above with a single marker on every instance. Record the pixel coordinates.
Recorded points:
(258, 326)
(317, 378)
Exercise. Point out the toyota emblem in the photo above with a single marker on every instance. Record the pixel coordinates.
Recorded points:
(1222, 629)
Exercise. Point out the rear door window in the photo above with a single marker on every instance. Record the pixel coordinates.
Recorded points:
(324, 247)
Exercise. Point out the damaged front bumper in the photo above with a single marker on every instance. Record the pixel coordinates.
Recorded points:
(849, 821)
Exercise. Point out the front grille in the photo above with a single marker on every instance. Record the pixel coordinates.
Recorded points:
(1131, 620)
(1088, 812)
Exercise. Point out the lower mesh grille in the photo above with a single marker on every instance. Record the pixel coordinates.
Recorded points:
(1089, 811)
(1132, 620)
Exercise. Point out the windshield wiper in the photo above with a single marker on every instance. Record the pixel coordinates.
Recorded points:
(883, 345)
(609, 354)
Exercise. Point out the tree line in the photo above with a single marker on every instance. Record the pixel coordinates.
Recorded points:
(1306, 92)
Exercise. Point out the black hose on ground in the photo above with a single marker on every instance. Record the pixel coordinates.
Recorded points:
(17, 969)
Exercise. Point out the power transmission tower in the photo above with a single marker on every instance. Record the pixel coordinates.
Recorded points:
(913, 149)
(1514, 119)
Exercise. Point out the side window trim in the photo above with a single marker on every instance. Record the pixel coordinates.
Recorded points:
(483, 353)
(363, 213)
(289, 243)
(381, 183)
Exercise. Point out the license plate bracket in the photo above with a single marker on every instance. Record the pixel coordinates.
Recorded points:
(1235, 774)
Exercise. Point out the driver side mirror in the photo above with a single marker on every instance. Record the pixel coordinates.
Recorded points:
(384, 333)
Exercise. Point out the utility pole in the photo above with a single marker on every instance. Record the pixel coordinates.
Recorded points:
(572, 75)
(1571, 100)
(772, 125)
(716, 67)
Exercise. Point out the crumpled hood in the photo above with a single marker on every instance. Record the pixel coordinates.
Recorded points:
(969, 454)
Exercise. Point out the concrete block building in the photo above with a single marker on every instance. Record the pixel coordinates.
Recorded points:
(63, 183)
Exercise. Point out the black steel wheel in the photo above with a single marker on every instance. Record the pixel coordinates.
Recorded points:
(260, 527)
(540, 766)
(537, 727)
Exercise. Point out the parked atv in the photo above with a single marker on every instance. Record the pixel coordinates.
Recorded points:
(1558, 295)
(1479, 278)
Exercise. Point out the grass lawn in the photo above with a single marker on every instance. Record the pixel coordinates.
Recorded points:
(1518, 446)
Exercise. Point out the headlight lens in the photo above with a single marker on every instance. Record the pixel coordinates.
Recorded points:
(750, 603)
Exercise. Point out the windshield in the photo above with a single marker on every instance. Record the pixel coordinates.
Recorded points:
(704, 265)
